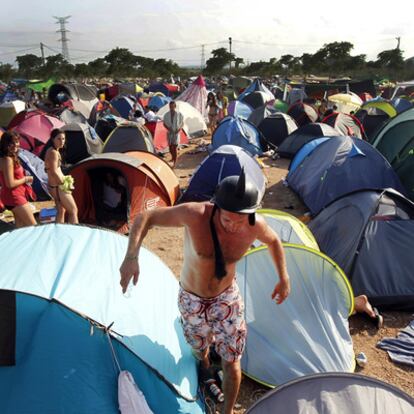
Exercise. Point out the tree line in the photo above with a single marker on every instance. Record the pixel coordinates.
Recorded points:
(333, 59)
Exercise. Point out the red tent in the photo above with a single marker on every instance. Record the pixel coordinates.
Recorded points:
(150, 183)
(159, 135)
(35, 128)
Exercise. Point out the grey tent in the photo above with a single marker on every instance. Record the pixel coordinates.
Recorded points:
(129, 137)
(76, 91)
(306, 334)
(327, 168)
(274, 126)
(335, 393)
(81, 142)
(301, 136)
(370, 235)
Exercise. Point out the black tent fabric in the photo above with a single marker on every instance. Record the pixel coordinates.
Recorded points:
(301, 136)
(7, 327)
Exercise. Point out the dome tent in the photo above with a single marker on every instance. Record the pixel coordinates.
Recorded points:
(196, 95)
(61, 358)
(301, 136)
(237, 131)
(129, 137)
(369, 234)
(225, 161)
(149, 183)
(325, 393)
(315, 315)
(395, 141)
(327, 168)
(194, 123)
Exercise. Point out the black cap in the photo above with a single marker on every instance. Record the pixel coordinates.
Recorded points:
(236, 194)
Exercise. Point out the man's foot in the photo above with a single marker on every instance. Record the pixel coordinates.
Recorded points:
(362, 305)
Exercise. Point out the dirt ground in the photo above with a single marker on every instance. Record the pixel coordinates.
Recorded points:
(167, 244)
(364, 333)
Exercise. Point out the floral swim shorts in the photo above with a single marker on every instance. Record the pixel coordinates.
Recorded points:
(219, 320)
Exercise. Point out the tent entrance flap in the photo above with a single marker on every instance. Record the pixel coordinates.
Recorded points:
(110, 196)
(7, 327)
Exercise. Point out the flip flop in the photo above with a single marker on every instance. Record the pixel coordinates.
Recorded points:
(379, 319)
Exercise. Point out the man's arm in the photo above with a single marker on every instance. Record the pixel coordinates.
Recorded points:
(177, 216)
(267, 236)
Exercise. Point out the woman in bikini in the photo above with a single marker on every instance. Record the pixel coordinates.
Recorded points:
(58, 189)
(15, 185)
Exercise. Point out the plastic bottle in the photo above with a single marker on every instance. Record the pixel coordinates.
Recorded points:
(361, 359)
(215, 390)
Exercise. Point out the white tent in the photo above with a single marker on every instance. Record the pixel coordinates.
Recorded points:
(194, 124)
(196, 95)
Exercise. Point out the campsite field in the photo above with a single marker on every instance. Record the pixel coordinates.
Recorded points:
(167, 244)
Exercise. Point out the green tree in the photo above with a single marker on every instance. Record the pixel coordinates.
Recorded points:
(122, 62)
(391, 59)
(6, 72)
(98, 67)
(29, 65)
(221, 58)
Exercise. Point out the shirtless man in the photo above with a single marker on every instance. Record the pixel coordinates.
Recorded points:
(217, 235)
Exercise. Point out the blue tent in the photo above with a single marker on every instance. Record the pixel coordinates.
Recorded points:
(308, 333)
(224, 161)
(61, 285)
(237, 131)
(35, 166)
(240, 109)
(124, 104)
(256, 86)
(401, 104)
(327, 168)
(156, 102)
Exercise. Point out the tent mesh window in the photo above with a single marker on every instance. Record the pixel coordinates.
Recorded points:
(392, 209)
(111, 197)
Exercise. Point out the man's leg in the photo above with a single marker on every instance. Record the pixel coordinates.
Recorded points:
(231, 384)
(202, 356)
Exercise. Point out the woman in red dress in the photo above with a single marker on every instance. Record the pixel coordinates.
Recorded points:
(15, 185)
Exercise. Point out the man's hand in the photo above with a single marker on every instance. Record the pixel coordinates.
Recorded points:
(281, 291)
(129, 269)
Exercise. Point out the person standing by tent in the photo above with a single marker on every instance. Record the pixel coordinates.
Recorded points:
(60, 186)
(15, 185)
(213, 112)
(173, 122)
(223, 103)
(217, 234)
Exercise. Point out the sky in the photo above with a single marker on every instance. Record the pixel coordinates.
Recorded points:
(177, 29)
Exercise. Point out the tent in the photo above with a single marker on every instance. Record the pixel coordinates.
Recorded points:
(288, 228)
(129, 137)
(373, 115)
(346, 102)
(35, 128)
(159, 136)
(237, 131)
(81, 142)
(257, 86)
(239, 109)
(106, 124)
(57, 310)
(8, 110)
(369, 234)
(345, 124)
(168, 89)
(306, 334)
(194, 123)
(303, 113)
(301, 136)
(261, 113)
(196, 95)
(156, 102)
(275, 127)
(35, 166)
(124, 105)
(71, 116)
(225, 161)
(395, 141)
(240, 83)
(326, 169)
(76, 91)
(332, 393)
(149, 182)
(255, 99)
